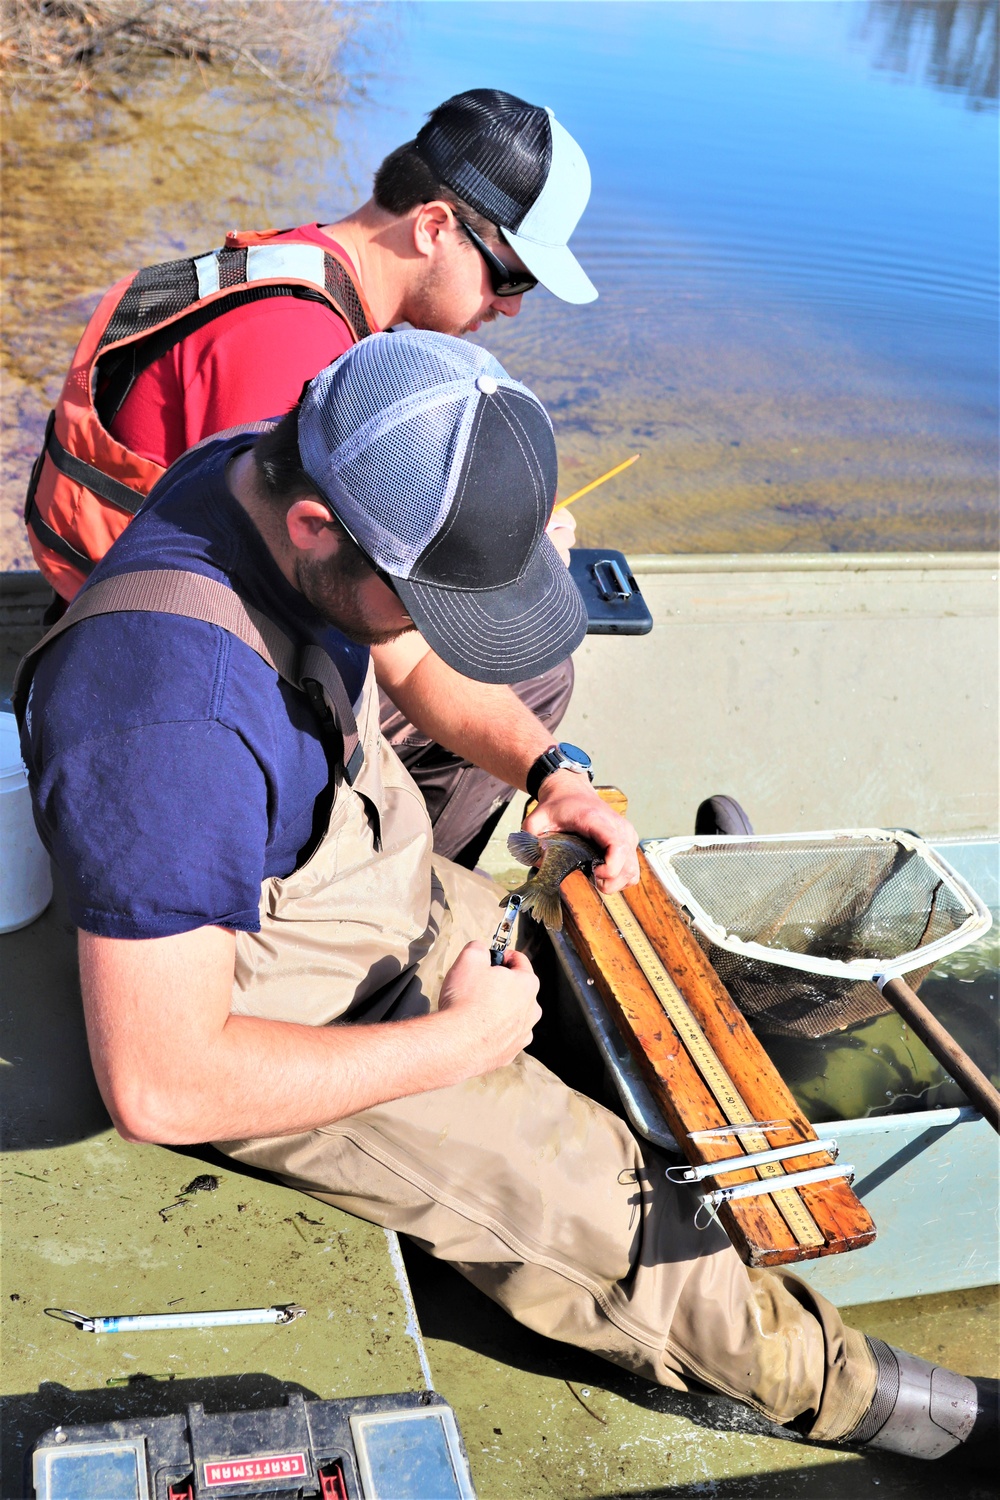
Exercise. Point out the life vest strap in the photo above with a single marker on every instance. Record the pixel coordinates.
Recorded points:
(56, 543)
(121, 496)
(120, 369)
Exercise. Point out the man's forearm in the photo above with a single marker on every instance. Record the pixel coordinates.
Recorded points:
(174, 1065)
(492, 728)
(485, 723)
(263, 1077)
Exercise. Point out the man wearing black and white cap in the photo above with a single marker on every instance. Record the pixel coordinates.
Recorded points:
(463, 221)
(261, 870)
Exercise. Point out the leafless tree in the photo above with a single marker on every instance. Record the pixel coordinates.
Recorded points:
(294, 46)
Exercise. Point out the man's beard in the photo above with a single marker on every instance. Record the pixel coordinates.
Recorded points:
(431, 307)
(331, 588)
(489, 316)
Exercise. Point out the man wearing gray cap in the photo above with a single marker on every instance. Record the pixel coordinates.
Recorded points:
(463, 221)
(261, 872)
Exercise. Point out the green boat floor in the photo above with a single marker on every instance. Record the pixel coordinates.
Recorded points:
(94, 1224)
(543, 1420)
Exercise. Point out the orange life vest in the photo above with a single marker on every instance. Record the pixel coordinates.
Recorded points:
(85, 486)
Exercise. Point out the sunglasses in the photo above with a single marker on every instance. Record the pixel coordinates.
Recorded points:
(505, 282)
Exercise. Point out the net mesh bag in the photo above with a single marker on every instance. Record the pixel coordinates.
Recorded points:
(798, 928)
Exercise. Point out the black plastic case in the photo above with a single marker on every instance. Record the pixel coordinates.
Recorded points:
(614, 604)
(350, 1449)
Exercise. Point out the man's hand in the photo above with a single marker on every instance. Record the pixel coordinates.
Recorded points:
(567, 803)
(495, 1008)
(561, 532)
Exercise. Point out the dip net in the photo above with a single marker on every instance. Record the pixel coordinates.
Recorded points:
(799, 927)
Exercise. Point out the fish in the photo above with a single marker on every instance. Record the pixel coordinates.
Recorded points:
(553, 857)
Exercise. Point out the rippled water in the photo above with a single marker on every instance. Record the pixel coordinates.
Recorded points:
(793, 228)
(881, 1067)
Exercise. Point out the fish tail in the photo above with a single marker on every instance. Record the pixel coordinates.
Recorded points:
(545, 906)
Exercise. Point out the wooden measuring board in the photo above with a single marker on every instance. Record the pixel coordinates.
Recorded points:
(706, 1069)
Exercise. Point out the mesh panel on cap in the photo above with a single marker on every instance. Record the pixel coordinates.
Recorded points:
(491, 148)
(384, 432)
(402, 481)
(392, 368)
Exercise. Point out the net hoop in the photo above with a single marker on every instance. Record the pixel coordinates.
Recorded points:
(661, 852)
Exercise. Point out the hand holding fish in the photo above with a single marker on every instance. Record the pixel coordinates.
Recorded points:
(567, 803)
(551, 841)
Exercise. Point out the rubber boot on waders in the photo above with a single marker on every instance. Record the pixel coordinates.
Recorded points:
(925, 1411)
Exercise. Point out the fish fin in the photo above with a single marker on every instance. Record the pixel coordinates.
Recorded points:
(525, 847)
(544, 906)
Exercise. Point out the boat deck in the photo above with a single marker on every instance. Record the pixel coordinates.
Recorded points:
(90, 1226)
(89, 1222)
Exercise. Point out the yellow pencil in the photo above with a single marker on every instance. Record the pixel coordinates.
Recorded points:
(595, 482)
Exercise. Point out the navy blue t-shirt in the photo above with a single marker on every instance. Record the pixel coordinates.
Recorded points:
(171, 769)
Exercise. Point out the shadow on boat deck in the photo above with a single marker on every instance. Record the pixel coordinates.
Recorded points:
(559, 1421)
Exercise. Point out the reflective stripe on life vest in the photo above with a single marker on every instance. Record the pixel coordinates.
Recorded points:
(85, 485)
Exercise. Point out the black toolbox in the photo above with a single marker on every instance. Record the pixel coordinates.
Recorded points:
(405, 1447)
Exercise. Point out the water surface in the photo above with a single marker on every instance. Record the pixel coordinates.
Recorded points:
(793, 228)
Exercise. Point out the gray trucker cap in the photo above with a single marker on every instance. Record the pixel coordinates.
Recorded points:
(443, 470)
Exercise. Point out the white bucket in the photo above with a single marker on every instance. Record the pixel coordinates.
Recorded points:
(25, 876)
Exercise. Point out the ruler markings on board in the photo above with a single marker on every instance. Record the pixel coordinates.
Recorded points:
(708, 1063)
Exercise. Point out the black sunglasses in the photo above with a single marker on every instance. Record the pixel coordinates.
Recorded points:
(505, 282)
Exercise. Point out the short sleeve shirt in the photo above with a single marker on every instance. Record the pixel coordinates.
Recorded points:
(171, 770)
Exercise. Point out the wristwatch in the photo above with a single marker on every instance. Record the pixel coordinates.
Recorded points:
(561, 757)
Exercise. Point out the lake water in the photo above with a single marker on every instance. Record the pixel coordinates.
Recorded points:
(881, 1067)
(793, 228)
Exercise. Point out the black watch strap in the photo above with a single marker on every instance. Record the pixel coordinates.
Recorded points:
(555, 759)
(537, 775)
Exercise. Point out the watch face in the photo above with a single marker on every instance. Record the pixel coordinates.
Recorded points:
(574, 753)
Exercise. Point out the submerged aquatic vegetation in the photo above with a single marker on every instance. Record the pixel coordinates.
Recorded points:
(148, 163)
(880, 1067)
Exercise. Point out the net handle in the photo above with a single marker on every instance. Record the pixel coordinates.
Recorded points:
(942, 1045)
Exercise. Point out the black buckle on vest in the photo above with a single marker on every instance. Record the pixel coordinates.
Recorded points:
(330, 731)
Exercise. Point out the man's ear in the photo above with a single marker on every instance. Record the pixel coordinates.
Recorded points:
(310, 528)
(430, 221)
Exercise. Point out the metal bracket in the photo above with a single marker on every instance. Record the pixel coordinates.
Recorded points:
(618, 587)
(755, 1159)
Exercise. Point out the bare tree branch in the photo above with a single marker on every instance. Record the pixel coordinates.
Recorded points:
(298, 46)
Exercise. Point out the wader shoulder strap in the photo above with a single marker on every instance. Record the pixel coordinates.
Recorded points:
(174, 591)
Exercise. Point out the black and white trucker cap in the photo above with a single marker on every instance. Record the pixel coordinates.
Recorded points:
(518, 167)
(443, 470)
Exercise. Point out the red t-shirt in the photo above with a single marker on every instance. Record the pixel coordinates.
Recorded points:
(247, 364)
